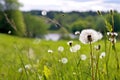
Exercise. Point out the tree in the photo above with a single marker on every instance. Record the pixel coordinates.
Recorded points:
(38, 27)
(13, 19)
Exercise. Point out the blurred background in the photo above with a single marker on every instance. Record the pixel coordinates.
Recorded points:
(55, 19)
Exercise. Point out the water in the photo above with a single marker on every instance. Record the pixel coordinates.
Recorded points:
(56, 37)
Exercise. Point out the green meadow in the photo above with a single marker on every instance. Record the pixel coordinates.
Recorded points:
(29, 59)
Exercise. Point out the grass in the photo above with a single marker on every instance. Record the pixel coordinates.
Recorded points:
(16, 53)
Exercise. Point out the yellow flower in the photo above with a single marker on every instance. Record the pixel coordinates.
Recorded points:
(46, 71)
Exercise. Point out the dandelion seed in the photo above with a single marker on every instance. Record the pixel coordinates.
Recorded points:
(44, 13)
(64, 60)
(83, 57)
(60, 48)
(50, 51)
(102, 55)
(77, 33)
(9, 32)
(89, 36)
(20, 70)
(70, 43)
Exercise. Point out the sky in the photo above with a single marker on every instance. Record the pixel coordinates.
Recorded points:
(70, 5)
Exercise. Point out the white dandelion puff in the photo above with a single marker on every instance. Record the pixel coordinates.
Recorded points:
(73, 49)
(28, 66)
(102, 55)
(70, 43)
(89, 35)
(20, 70)
(112, 34)
(64, 60)
(77, 46)
(9, 32)
(83, 57)
(60, 48)
(50, 51)
(44, 13)
(77, 33)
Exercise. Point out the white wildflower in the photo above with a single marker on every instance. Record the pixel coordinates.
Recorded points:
(44, 13)
(64, 60)
(70, 43)
(83, 57)
(50, 51)
(60, 48)
(102, 55)
(77, 33)
(89, 35)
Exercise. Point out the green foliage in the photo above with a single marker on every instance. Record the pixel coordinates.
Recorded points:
(36, 26)
(79, 25)
(13, 21)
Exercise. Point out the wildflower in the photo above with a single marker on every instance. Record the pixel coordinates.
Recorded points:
(50, 51)
(102, 55)
(70, 43)
(64, 60)
(83, 57)
(89, 36)
(20, 70)
(77, 33)
(44, 13)
(47, 71)
(60, 49)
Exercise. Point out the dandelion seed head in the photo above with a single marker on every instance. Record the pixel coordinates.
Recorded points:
(20, 70)
(44, 13)
(89, 35)
(73, 49)
(60, 48)
(50, 51)
(70, 43)
(97, 47)
(9, 32)
(77, 46)
(64, 60)
(102, 55)
(28, 66)
(83, 57)
(77, 33)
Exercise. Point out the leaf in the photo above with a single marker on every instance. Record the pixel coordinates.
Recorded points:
(108, 26)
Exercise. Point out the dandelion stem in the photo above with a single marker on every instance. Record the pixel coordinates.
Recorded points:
(92, 65)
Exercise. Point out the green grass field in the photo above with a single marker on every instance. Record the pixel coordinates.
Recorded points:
(16, 53)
